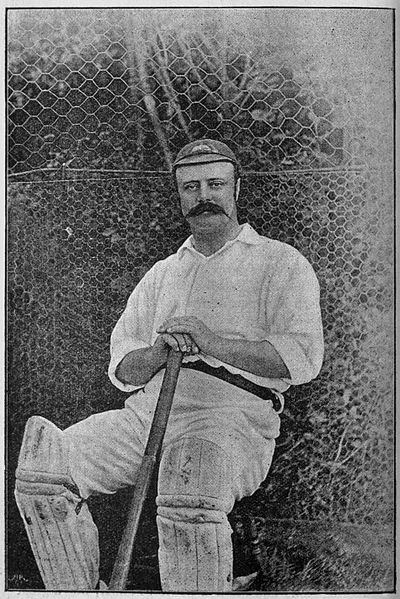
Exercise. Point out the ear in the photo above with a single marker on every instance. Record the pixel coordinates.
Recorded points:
(237, 188)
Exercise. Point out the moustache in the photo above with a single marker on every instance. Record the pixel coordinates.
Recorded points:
(206, 207)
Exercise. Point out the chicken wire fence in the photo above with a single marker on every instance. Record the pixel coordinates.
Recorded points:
(99, 103)
(125, 89)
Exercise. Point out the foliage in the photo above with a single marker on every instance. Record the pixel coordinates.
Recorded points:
(90, 89)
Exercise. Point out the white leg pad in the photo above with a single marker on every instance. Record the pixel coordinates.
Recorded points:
(60, 529)
(195, 552)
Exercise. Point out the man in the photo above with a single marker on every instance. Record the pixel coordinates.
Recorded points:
(244, 310)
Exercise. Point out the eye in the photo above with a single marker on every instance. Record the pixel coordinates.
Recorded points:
(216, 184)
(190, 186)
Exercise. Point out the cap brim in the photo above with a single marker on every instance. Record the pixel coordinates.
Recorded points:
(202, 159)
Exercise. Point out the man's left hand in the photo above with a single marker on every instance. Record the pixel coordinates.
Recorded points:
(203, 337)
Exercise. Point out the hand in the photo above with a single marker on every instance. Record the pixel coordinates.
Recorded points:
(178, 342)
(199, 334)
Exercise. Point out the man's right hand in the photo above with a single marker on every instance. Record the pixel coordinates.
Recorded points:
(140, 365)
(178, 342)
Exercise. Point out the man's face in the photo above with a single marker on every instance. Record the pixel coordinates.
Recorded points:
(208, 195)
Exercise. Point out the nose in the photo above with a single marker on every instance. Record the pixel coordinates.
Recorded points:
(204, 192)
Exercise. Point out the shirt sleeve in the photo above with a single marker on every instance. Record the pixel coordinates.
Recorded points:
(295, 325)
(133, 329)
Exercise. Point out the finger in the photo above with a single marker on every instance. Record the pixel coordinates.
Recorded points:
(188, 342)
(195, 349)
(181, 342)
(171, 324)
(179, 328)
(171, 341)
(191, 346)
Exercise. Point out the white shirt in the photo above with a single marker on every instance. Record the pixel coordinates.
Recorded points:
(253, 288)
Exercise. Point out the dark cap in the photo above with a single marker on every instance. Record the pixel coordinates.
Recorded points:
(204, 151)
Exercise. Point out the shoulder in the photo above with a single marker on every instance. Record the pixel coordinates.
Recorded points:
(152, 279)
(274, 248)
(281, 256)
(159, 268)
(165, 263)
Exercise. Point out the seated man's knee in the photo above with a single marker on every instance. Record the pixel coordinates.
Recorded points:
(195, 473)
(60, 529)
(194, 497)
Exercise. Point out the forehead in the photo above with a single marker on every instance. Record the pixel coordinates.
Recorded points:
(211, 170)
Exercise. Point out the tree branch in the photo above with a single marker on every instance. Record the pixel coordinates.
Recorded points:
(135, 45)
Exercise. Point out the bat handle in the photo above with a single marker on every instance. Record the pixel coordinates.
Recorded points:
(152, 452)
(164, 404)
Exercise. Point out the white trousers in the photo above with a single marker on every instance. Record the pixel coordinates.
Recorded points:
(105, 449)
(217, 449)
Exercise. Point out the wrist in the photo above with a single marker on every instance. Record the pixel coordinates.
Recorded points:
(159, 353)
(213, 347)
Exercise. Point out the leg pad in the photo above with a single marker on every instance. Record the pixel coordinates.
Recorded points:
(194, 498)
(60, 529)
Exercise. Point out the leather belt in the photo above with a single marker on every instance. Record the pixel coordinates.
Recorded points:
(237, 380)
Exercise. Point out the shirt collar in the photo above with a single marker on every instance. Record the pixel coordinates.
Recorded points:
(247, 235)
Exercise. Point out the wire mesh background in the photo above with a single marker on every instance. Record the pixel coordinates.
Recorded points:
(99, 102)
